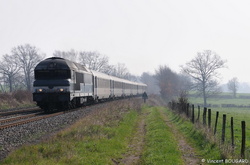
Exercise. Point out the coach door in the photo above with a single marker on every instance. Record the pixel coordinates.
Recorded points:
(112, 88)
(96, 89)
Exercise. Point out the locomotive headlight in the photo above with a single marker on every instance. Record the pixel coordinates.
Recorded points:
(62, 89)
(40, 90)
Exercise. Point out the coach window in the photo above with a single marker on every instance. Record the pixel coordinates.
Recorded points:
(87, 79)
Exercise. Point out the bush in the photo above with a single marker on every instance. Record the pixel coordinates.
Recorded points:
(15, 99)
(22, 96)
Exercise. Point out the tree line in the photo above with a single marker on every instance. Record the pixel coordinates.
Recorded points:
(93, 60)
(164, 81)
(200, 74)
(17, 67)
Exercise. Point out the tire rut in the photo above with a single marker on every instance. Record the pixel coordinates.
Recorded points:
(189, 155)
(133, 155)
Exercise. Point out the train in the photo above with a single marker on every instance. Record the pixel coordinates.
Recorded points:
(61, 84)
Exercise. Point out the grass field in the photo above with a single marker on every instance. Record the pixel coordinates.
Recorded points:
(238, 114)
(148, 135)
(128, 134)
(106, 137)
(97, 139)
(220, 100)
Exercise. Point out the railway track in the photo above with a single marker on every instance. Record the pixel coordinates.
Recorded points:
(16, 133)
(26, 119)
(20, 111)
(19, 117)
(28, 115)
(11, 119)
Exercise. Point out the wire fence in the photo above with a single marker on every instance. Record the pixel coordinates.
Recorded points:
(204, 118)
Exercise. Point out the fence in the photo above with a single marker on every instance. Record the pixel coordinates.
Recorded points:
(189, 112)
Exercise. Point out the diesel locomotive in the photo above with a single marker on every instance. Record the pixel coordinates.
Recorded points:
(62, 84)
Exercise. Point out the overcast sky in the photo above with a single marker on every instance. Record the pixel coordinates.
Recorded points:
(142, 34)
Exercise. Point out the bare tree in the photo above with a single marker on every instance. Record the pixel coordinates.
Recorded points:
(2, 82)
(185, 84)
(9, 69)
(151, 82)
(233, 86)
(203, 70)
(70, 55)
(95, 61)
(134, 78)
(120, 70)
(27, 56)
(168, 82)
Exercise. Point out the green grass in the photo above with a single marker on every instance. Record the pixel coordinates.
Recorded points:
(161, 145)
(196, 137)
(218, 101)
(105, 137)
(238, 114)
(4, 105)
(82, 144)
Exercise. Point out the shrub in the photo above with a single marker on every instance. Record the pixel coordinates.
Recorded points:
(22, 96)
(15, 99)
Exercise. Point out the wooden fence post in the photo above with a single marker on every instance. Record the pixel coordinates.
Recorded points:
(192, 113)
(232, 131)
(209, 118)
(243, 142)
(187, 110)
(216, 122)
(182, 107)
(223, 128)
(198, 118)
(204, 115)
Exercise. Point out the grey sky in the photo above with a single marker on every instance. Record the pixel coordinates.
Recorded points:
(143, 34)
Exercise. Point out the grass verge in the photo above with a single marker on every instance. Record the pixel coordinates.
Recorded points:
(196, 137)
(160, 143)
(105, 135)
(99, 139)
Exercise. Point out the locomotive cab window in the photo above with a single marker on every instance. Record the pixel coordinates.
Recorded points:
(52, 74)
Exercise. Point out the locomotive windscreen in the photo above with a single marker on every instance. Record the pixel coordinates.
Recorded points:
(52, 74)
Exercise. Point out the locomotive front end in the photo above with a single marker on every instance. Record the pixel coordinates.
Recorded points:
(52, 84)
